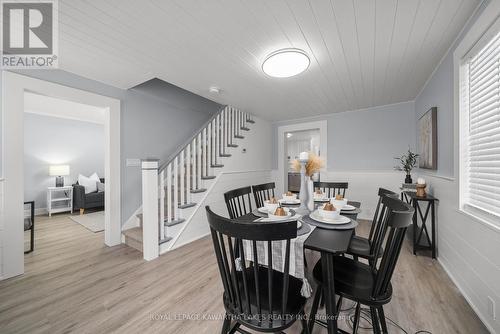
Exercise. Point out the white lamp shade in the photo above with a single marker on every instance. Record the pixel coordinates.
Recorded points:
(59, 170)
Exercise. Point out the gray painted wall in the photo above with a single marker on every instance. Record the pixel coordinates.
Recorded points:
(53, 141)
(151, 126)
(439, 93)
(367, 139)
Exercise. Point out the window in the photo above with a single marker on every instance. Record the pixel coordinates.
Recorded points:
(480, 128)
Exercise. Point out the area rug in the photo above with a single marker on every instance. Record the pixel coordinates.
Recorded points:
(92, 221)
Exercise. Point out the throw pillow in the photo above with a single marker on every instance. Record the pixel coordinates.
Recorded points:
(95, 177)
(89, 184)
(100, 186)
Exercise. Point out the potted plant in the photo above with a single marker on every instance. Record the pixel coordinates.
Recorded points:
(407, 161)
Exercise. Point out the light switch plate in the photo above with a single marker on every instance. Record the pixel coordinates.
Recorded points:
(132, 162)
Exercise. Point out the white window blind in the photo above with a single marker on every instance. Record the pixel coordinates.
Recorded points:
(481, 101)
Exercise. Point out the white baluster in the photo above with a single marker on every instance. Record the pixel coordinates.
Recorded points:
(204, 156)
(217, 137)
(198, 159)
(195, 180)
(176, 188)
(188, 173)
(233, 127)
(209, 145)
(169, 193)
(181, 175)
(226, 113)
(213, 159)
(162, 204)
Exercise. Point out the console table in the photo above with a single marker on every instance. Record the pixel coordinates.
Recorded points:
(422, 204)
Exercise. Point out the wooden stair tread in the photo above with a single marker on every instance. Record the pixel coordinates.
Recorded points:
(197, 191)
(187, 205)
(134, 233)
(216, 166)
(244, 128)
(174, 222)
(225, 155)
(239, 137)
(208, 177)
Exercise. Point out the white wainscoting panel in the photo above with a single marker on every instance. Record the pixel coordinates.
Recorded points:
(468, 249)
(1, 227)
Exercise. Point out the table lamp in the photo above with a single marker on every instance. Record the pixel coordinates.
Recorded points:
(59, 171)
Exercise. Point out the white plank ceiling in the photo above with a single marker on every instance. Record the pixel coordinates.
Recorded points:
(363, 53)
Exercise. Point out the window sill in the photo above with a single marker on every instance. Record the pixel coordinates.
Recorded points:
(482, 218)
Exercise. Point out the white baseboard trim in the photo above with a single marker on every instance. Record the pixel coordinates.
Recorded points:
(185, 243)
(464, 294)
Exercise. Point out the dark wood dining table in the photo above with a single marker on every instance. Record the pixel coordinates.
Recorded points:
(329, 243)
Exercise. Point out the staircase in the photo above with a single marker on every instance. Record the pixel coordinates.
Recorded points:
(172, 191)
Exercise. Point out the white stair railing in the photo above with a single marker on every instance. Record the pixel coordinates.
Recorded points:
(168, 188)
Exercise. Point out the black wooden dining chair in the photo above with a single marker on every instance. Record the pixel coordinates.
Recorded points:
(330, 189)
(29, 224)
(365, 284)
(238, 202)
(256, 296)
(365, 247)
(263, 192)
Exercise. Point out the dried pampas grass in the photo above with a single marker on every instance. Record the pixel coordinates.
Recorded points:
(313, 165)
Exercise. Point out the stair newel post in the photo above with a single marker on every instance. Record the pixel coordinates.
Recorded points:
(162, 205)
(168, 204)
(150, 232)
(182, 189)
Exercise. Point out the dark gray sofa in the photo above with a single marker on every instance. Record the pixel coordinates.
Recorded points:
(84, 201)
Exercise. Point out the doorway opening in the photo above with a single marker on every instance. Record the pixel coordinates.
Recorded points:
(296, 138)
(63, 169)
(296, 142)
(14, 88)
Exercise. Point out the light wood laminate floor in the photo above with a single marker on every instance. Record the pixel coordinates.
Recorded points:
(73, 283)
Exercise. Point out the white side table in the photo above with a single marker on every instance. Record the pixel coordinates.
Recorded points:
(59, 199)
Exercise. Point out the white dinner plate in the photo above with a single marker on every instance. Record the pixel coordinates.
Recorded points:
(295, 201)
(337, 221)
(321, 199)
(299, 225)
(264, 210)
(348, 207)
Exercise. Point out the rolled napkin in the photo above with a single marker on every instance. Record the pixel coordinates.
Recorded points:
(420, 181)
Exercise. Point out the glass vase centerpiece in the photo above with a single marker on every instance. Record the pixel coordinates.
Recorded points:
(308, 164)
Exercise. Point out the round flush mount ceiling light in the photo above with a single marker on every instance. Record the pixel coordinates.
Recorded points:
(286, 63)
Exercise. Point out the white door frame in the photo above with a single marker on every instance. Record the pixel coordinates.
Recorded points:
(13, 88)
(282, 181)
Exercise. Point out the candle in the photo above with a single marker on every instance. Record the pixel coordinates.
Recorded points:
(304, 156)
(420, 181)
